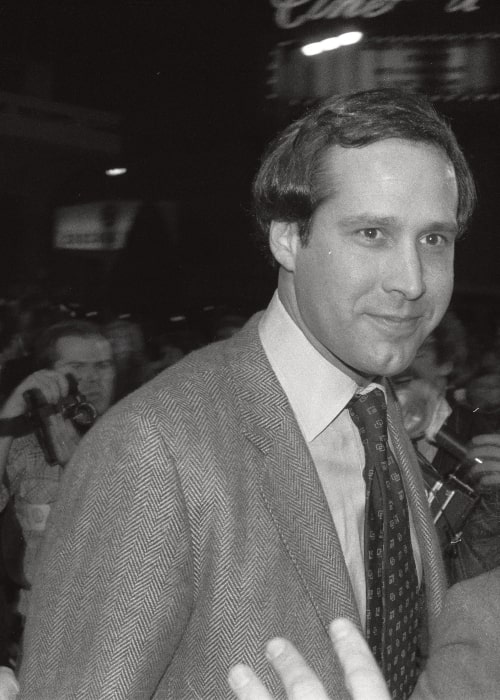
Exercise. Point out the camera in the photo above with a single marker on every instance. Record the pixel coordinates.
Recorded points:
(450, 500)
(73, 407)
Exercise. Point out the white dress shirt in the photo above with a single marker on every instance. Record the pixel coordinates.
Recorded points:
(318, 393)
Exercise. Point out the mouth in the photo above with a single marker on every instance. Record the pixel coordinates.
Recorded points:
(396, 324)
(92, 396)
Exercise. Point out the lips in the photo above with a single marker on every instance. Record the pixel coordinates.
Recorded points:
(395, 323)
(92, 396)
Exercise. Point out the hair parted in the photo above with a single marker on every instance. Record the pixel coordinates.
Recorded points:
(289, 185)
(45, 346)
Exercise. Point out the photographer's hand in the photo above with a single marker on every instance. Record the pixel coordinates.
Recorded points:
(485, 448)
(51, 384)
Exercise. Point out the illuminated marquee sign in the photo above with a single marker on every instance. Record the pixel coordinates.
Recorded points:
(293, 13)
(94, 226)
(446, 67)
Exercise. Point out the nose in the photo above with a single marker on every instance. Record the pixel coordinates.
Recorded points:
(405, 272)
(89, 375)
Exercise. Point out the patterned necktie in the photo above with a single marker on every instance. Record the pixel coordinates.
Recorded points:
(392, 615)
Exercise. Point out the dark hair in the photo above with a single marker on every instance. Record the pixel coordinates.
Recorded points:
(45, 346)
(288, 186)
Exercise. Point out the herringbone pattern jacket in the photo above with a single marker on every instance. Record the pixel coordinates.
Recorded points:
(192, 527)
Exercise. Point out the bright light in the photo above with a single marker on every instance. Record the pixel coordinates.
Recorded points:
(312, 49)
(331, 43)
(350, 38)
(113, 172)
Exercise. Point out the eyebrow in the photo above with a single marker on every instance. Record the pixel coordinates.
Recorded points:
(371, 221)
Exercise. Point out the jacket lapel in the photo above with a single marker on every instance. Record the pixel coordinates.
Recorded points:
(432, 563)
(289, 483)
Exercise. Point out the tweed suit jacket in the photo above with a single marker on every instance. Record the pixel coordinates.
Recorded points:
(192, 527)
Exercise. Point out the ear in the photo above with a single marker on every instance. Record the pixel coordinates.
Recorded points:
(284, 242)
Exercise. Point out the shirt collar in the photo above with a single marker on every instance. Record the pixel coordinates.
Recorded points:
(316, 389)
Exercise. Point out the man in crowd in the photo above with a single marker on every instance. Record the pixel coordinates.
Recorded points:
(69, 347)
(224, 503)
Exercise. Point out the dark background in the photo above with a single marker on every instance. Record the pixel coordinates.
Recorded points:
(190, 81)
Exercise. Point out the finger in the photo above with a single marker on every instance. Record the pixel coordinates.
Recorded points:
(300, 682)
(9, 687)
(363, 677)
(484, 452)
(484, 466)
(486, 439)
(487, 479)
(486, 457)
(246, 685)
(58, 385)
(52, 384)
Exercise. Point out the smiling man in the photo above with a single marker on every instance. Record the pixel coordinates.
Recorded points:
(377, 272)
(252, 490)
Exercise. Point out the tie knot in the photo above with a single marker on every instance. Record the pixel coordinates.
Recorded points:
(369, 411)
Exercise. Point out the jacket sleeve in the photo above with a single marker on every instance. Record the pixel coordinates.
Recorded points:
(113, 589)
(463, 658)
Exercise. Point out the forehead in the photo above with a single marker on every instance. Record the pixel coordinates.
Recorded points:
(93, 348)
(386, 168)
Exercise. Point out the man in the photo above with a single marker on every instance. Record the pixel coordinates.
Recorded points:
(223, 503)
(463, 663)
(430, 407)
(69, 347)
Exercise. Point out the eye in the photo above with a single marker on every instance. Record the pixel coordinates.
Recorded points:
(436, 240)
(370, 234)
(105, 365)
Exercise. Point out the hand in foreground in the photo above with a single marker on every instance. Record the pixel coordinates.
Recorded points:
(9, 687)
(362, 675)
(485, 448)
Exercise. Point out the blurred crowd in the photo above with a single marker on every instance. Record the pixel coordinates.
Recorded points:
(451, 358)
(466, 371)
(141, 347)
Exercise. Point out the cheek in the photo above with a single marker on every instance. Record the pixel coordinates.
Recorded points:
(440, 274)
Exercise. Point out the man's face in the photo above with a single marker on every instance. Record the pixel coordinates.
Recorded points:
(377, 273)
(90, 361)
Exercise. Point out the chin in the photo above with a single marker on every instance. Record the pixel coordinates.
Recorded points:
(392, 366)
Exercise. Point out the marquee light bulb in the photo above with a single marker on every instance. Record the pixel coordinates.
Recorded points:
(333, 42)
(113, 172)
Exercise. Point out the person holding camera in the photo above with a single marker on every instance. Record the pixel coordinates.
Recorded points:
(39, 430)
(459, 442)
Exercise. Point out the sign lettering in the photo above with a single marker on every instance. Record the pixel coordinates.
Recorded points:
(463, 5)
(287, 15)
